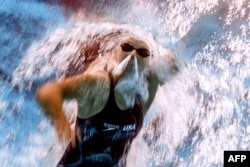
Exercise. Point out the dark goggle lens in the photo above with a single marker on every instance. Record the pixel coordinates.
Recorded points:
(128, 48)
(143, 52)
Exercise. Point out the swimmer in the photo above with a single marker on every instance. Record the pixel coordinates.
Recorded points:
(112, 103)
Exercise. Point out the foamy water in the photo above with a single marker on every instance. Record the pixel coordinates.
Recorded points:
(204, 110)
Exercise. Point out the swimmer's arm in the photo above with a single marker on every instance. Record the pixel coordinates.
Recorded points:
(91, 92)
(50, 97)
(52, 94)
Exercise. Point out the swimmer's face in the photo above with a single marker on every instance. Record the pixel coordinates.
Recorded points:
(135, 48)
(129, 74)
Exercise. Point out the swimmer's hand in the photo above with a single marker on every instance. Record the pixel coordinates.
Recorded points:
(62, 128)
(64, 131)
(50, 98)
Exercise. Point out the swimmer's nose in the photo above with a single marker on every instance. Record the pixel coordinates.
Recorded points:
(132, 65)
(134, 52)
(131, 61)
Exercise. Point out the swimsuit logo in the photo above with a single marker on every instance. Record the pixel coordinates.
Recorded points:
(129, 127)
(111, 127)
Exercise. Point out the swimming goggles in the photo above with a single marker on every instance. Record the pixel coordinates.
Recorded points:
(143, 52)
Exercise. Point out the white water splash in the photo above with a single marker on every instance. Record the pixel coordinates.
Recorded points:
(205, 109)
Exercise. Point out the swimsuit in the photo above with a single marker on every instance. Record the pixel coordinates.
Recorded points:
(106, 136)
